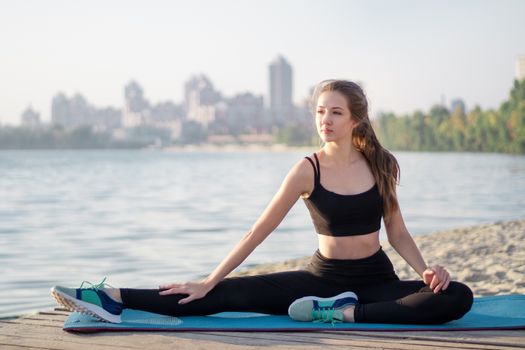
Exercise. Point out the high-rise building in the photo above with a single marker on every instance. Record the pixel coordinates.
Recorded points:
(135, 106)
(200, 87)
(245, 114)
(281, 88)
(139, 112)
(70, 112)
(77, 111)
(200, 99)
(520, 67)
(134, 97)
(60, 110)
(30, 117)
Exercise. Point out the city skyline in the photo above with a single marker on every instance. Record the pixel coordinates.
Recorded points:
(201, 103)
(407, 54)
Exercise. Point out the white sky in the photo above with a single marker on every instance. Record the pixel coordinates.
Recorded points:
(407, 53)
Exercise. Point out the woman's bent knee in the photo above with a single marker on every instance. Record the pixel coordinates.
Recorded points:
(462, 299)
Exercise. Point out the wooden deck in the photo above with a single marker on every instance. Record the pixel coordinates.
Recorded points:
(44, 331)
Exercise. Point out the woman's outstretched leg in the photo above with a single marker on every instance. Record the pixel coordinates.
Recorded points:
(269, 293)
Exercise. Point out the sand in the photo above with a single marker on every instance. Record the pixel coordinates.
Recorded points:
(489, 258)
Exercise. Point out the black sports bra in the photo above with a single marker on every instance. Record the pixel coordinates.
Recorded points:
(343, 215)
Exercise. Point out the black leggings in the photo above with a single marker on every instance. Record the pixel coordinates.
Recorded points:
(383, 298)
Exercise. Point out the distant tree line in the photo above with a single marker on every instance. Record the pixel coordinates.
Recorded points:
(501, 130)
(296, 134)
(57, 137)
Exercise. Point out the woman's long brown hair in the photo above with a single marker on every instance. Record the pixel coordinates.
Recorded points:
(383, 164)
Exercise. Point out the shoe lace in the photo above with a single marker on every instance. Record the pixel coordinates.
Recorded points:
(98, 286)
(324, 315)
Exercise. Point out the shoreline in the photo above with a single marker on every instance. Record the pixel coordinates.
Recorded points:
(208, 147)
(489, 258)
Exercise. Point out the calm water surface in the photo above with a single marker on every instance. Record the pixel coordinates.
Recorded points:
(148, 217)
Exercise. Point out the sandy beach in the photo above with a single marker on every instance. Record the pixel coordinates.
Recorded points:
(489, 258)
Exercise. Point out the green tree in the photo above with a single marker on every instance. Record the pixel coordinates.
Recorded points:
(296, 135)
(501, 130)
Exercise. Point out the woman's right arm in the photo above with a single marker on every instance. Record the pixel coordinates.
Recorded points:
(298, 181)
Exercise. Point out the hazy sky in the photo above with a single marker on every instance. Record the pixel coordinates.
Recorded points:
(406, 53)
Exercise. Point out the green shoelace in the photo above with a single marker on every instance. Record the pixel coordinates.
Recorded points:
(99, 286)
(325, 315)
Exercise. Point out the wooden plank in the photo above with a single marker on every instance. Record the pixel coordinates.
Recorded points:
(52, 344)
(31, 335)
(44, 330)
(45, 319)
(272, 339)
(61, 309)
(511, 338)
(18, 347)
(158, 342)
(140, 340)
(518, 337)
(368, 340)
(43, 323)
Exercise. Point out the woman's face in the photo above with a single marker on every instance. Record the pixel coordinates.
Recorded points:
(333, 119)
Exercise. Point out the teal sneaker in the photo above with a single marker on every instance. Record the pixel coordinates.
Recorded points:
(91, 300)
(317, 309)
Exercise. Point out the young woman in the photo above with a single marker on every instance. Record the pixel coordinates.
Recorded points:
(348, 186)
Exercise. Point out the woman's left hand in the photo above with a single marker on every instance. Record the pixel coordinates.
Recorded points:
(437, 278)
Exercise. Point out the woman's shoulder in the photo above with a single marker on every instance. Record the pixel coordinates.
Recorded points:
(303, 165)
(312, 157)
(302, 170)
(310, 161)
(301, 175)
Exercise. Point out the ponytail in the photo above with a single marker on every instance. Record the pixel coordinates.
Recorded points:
(383, 164)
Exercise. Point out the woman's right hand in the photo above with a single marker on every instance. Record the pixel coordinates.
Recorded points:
(437, 278)
(194, 290)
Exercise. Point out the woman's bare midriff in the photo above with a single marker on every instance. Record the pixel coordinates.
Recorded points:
(349, 247)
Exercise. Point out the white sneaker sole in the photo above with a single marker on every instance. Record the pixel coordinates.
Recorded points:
(74, 304)
(312, 298)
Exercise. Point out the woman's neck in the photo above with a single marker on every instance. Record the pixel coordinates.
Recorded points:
(343, 154)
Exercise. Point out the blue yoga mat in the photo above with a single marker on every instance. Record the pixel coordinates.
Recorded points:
(495, 312)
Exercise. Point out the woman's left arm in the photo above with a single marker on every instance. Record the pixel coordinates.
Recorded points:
(436, 277)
